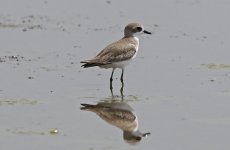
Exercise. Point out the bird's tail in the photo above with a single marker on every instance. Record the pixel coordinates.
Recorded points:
(91, 107)
(91, 63)
(87, 106)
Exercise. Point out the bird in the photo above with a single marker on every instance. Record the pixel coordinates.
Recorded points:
(119, 53)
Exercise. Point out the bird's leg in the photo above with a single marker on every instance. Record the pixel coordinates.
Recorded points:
(122, 76)
(121, 90)
(122, 83)
(111, 90)
(111, 80)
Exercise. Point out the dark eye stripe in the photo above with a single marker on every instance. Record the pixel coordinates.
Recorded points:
(139, 29)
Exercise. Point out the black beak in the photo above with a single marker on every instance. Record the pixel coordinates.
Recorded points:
(147, 32)
(146, 134)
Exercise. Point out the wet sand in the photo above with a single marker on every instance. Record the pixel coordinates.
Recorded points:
(178, 85)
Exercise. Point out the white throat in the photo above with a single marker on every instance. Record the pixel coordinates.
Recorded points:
(137, 40)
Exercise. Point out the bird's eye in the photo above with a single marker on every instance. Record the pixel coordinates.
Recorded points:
(139, 29)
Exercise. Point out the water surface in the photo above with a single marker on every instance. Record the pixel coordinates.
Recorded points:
(178, 85)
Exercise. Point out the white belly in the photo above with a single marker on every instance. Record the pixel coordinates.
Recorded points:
(120, 64)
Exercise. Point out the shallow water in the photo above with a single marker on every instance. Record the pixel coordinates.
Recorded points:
(178, 85)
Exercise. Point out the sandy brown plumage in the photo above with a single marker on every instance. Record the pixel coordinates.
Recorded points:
(121, 50)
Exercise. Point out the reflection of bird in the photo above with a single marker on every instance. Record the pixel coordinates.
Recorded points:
(121, 115)
(120, 53)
